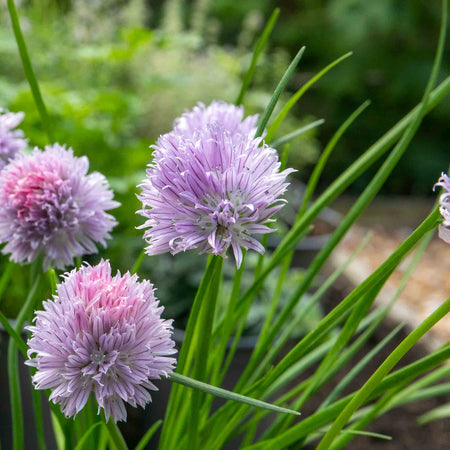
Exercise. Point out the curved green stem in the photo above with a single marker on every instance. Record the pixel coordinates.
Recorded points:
(13, 370)
(28, 68)
(115, 435)
(260, 45)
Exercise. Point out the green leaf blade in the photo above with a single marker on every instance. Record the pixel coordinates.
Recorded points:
(259, 48)
(228, 395)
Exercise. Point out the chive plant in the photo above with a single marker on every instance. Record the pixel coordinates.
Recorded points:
(214, 186)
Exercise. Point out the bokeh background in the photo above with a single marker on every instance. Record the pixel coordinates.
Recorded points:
(115, 73)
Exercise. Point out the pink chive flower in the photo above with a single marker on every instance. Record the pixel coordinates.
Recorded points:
(213, 190)
(444, 228)
(100, 334)
(11, 141)
(50, 205)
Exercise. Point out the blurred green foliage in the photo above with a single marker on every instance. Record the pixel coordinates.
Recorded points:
(393, 43)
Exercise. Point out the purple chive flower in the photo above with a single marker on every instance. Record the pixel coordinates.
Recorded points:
(11, 141)
(213, 190)
(444, 228)
(100, 334)
(230, 117)
(51, 205)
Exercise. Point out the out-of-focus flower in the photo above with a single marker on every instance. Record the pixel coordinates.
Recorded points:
(50, 205)
(12, 141)
(101, 334)
(444, 228)
(211, 187)
(229, 117)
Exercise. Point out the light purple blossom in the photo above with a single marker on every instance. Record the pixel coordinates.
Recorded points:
(444, 228)
(100, 334)
(213, 190)
(12, 141)
(50, 205)
(229, 117)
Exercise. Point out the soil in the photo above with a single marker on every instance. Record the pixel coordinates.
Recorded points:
(321, 227)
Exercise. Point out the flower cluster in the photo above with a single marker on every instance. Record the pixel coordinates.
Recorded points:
(51, 205)
(12, 141)
(229, 117)
(211, 185)
(101, 334)
(444, 228)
